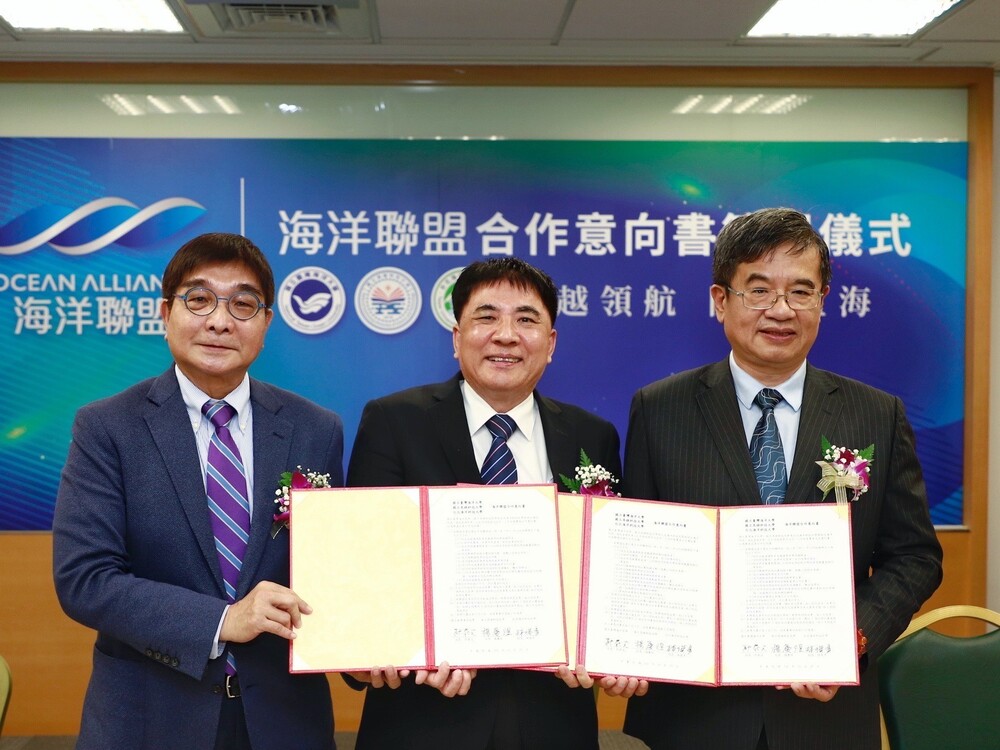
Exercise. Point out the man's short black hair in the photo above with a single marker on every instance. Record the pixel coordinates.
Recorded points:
(218, 247)
(515, 272)
(756, 235)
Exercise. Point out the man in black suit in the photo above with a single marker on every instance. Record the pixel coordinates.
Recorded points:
(437, 435)
(690, 438)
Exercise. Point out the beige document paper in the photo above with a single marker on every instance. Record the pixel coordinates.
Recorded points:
(650, 591)
(357, 559)
(787, 604)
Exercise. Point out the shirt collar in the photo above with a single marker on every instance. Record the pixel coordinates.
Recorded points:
(195, 398)
(747, 387)
(478, 412)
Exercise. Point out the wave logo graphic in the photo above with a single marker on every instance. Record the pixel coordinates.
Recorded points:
(96, 225)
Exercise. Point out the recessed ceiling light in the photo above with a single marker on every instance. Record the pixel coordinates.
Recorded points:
(746, 104)
(137, 105)
(848, 18)
(98, 15)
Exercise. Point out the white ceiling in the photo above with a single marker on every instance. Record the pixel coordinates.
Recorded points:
(608, 32)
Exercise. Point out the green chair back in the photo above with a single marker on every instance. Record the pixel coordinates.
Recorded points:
(939, 691)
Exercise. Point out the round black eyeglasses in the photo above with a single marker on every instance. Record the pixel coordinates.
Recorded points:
(202, 301)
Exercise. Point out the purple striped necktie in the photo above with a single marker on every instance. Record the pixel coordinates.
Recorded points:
(499, 466)
(226, 487)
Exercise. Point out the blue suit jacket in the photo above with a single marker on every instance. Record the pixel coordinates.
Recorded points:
(134, 558)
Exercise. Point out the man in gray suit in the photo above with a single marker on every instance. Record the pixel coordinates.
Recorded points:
(690, 439)
(191, 653)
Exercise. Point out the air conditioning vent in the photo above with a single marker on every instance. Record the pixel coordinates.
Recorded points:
(281, 17)
(345, 20)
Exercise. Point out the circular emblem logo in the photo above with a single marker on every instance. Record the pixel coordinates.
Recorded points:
(387, 300)
(441, 306)
(311, 300)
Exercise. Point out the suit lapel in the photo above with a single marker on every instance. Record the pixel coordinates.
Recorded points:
(447, 414)
(720, 410)
(168, 421)
(272, 439)
(561, 445)
(821, 409)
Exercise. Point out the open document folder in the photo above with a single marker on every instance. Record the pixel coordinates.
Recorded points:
(412, 576)
(518, 576)
(742, 595)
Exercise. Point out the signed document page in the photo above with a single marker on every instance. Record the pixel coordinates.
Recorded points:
(649, 604)
(356, 558)
(495, 572)
(787, 605)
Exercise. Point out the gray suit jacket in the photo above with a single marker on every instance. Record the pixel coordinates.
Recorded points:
(421, 437)
(686, 443)
(135, 559)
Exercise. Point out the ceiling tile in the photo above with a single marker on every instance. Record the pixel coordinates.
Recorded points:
(464, 20)
(970, 21)
(718, 20)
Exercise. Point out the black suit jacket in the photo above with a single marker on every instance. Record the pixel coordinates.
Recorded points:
(686, 443)
(421, 437)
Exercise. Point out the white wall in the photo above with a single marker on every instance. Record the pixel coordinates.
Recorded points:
(99, 110)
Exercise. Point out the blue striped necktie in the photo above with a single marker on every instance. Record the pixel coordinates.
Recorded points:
(499, 466)
(226, 487)
(766, 453)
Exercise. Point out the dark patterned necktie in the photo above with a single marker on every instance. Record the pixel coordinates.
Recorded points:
(499, 466)
(766, 452)
(226, 487)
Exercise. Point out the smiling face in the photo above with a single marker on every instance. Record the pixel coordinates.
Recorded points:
(503, 342)
(771, 344)
(214, 351)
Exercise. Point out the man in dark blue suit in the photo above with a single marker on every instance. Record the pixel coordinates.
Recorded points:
(135, 554)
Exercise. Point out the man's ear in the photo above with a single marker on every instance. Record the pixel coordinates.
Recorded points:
(719, 299)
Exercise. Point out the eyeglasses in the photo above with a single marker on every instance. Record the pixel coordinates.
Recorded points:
(759, 298)
(202, 301)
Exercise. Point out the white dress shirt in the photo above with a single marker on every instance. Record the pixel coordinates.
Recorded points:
(527, 443)
(786, 413)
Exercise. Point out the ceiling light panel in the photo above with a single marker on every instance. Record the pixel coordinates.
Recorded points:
(849, 18)
(105, 15)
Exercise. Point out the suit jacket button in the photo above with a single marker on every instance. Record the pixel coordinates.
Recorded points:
(157, 655)
(175, 662)
(217, 689)
(149, 652)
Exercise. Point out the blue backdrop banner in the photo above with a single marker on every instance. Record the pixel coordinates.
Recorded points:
(366, 238)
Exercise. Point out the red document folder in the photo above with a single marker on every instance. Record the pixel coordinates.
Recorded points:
(712, 596)
(412, 576)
